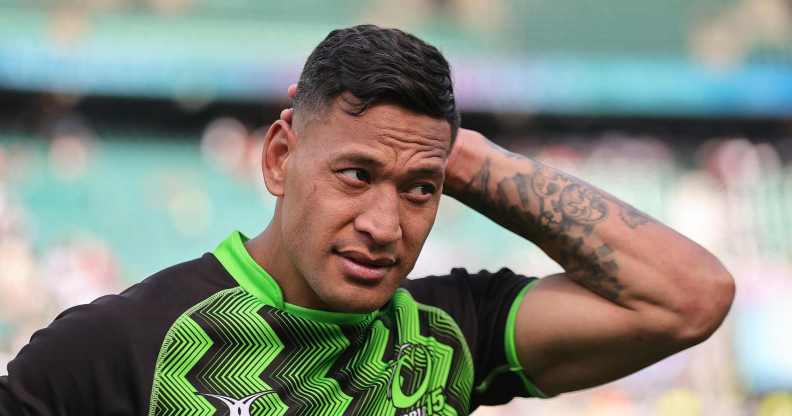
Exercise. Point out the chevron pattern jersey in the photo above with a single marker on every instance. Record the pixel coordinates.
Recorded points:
(408, 358)
(214, 337)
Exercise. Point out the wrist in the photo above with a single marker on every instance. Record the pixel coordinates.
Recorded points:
(468, 154)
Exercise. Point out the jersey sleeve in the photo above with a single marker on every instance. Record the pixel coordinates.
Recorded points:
(99, 358)
(72, 367)
(8, 404)
(485, 306)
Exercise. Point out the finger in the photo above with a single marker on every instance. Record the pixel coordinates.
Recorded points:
(286, 115)
(292, 90)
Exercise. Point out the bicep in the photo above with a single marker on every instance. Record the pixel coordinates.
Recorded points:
(567, 338)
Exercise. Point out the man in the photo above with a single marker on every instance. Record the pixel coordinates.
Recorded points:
(314, 315)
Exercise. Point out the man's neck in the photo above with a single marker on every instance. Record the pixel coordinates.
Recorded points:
(267, 249)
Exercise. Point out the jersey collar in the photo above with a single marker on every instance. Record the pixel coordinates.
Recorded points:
(235, 258)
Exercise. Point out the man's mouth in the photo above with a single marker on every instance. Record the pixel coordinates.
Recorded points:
(362, 266)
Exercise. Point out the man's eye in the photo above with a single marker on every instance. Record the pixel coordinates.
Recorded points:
(423, 190)
(356, 174)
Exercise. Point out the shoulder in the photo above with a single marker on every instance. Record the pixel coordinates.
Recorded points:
(104, 352)
(461, 285)
(182, 284)
(156, 301)
(150, 305)
(471, 299)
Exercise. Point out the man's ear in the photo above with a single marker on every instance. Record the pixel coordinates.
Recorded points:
(279, 144)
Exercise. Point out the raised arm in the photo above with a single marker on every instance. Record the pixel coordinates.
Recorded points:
(633, 292)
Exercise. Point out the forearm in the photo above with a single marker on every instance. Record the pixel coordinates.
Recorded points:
(601, 242)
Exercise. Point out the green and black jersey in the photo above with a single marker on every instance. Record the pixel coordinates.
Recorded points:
(213, 336)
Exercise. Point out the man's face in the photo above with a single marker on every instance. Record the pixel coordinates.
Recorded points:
(359, 199)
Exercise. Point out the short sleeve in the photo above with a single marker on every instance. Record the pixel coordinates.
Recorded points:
(8, 403)
(99, 359)
(73, 367)
(485, 307)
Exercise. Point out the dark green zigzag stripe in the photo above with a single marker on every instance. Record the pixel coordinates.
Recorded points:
(311, 348)
(366, 372)
(409, 331)
(172, 394)
(446, 330)
(363, 374)
(244, 346)
(406, 310)
(188, 345)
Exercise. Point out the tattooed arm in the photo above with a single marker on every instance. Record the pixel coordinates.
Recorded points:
(633, 292)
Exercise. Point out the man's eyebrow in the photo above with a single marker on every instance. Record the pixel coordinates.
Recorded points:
(435, 172)
(358, 158)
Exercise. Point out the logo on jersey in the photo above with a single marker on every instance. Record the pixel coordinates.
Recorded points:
(410, 381)
(239, 407)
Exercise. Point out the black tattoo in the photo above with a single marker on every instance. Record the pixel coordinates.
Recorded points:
(632, 217)
(604, 250)
(480, 180)
(565, 202)
(596, 270)
(553, 210)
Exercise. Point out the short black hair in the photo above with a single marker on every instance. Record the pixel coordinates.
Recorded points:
(378, 65)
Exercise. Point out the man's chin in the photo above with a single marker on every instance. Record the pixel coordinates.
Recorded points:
(356, 299)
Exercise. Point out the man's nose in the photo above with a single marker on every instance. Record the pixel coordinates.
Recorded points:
(380, 218)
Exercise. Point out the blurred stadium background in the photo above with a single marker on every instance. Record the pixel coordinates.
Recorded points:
(130, 133)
